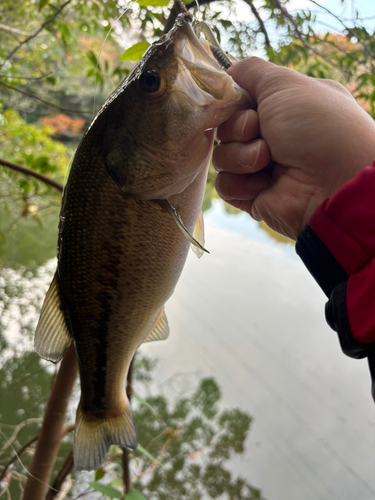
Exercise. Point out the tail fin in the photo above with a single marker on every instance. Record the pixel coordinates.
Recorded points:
(94, 437)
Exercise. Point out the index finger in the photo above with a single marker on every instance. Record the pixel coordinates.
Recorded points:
(262, 78)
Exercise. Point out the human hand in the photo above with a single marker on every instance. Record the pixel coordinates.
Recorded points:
(314, 131)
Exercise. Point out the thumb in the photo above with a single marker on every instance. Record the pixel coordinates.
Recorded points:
(262, 78)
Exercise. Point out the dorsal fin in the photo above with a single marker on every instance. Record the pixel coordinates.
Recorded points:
(198, 234)
(52, 334)
(160, 330)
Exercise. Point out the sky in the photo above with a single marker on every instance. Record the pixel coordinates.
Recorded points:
(366, 8)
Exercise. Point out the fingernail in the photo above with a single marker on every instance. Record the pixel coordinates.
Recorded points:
(249, 154)
(239, 125)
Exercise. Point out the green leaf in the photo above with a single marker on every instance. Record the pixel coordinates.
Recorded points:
(153, 3)
(134, 494)
(40, 163)
(145, 403)
(115, 449)
(117, 482)
(90, 55)
(42, 3)
(148, 455)
(3, 240)
(135, 52)
(51, 79)
(106, 490)
(99, 473)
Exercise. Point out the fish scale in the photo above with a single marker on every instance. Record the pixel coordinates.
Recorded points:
(132, 201)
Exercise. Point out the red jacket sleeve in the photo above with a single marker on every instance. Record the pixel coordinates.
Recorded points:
(338, 247)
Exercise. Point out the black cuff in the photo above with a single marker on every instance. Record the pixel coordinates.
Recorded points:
(321, 263)
(337, 318)
(332, 278)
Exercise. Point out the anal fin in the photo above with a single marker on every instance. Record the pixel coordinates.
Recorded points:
(52, 334)
(160, 330)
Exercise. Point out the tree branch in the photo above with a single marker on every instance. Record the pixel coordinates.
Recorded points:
(68, 428)
(51, 432)
(28, 94)
(261, 23)
(177, 9)
(36, 33)
(11, 29)
(349, 30)
(19, 452)
(28, 171)
(298, 32)
(12, 77)
(61, 476)
(16, 431)
(125, 452)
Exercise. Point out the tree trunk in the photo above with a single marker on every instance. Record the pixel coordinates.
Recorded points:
(51, 432)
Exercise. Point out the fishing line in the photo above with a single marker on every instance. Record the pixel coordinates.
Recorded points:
(95, 91)
(25, 469)
(198, 11)
(100, 53)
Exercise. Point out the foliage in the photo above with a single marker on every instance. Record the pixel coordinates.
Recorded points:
(185, 445)
(56, 70)
(28, 208)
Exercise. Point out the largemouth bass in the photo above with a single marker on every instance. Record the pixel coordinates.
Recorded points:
(137, 178)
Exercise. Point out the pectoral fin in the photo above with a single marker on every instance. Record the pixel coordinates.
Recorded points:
(166, 205)
(198, 234)
(160, 330)
(52, 335)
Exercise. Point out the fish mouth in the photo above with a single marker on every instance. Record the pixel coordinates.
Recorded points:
(203, 80)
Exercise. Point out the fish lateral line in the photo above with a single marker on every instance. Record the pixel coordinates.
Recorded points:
(173, 213)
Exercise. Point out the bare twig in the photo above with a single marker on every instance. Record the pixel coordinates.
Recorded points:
(177, 9)
(260, 21)
(61, 476)
(335, 46)
(34, 96)
(51, 432)
(349, 30)
(28, 171)
(299, 33)
(26, 77)
(66, 430)
(126, 470)
(11, 29)
(200, 2)
(125, 454)
(16, 431)
(19, 452)
(36, 33)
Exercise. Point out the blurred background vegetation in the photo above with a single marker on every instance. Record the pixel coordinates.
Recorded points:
(59, 60)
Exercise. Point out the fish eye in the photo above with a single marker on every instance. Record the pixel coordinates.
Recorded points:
(151, 83)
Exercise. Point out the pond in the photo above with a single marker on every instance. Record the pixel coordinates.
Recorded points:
(248, 321)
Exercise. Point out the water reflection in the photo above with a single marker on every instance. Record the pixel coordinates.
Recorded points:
(186, 441)
(248, 319)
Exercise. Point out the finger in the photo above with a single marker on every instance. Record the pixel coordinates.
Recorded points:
(262, 78)
(241, 187)
(239, 158)
(246, 206)
(243, 126)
